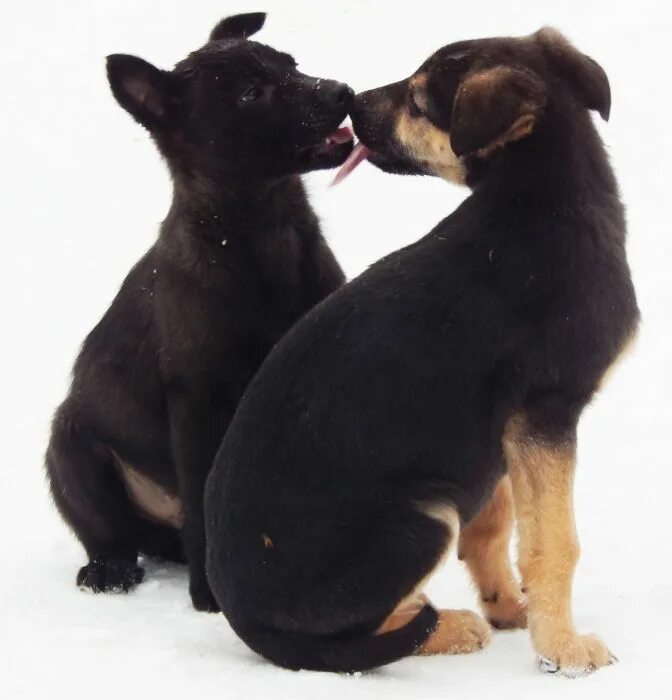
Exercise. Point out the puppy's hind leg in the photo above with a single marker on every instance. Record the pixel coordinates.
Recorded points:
(484, 548)
(458, 631)
(88, 492)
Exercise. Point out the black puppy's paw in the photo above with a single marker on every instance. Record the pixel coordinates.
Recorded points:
(110, 576)
(202, 598)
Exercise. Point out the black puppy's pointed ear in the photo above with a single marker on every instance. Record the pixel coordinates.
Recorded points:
(493, 107)
(238, 26)
(139, 87)
(585, 76)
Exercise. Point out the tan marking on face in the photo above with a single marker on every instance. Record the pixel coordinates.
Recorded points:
(429, 146)
(268, 542)
(151, 499)
(419, 80)
(484, 548)
(542, 479)
(626, 351)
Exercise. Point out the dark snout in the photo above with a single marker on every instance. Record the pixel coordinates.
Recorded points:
(373, 114)
(335, 94)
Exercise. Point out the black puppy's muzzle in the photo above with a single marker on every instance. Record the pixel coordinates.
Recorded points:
(335, 94)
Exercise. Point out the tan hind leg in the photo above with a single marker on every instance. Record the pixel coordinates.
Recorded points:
(458, 631)
(542, 477)
(484, 548)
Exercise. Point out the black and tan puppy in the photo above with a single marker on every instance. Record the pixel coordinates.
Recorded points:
(383, 428)
(239, 258)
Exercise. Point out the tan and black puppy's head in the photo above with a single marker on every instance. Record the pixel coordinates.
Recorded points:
(472, 99)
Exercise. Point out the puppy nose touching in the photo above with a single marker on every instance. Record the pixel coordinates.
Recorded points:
(341, 94)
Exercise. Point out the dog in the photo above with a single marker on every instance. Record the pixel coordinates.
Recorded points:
(413, 408)
(239, 259)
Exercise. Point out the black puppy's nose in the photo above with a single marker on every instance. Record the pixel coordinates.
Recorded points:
(341, 94)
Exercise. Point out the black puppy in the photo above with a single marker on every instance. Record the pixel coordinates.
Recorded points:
(239, 259)
(387, 419)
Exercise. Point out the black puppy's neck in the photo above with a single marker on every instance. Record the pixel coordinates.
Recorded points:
(210, 221)
(235, 206)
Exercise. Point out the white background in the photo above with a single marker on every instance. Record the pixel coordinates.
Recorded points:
(83, 192)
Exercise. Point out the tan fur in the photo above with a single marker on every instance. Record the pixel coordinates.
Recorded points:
(429, 146)
(417, 85)
(152, 500)
(419, 80)
(458, 631)
(480, 86)
(484, 548)
(548, 36)
(542, 478)
(519, 129)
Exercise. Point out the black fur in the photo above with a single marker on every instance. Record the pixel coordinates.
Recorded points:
(395, 391)
(238, 260)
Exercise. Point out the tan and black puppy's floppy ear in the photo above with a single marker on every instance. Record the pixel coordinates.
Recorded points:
(238, 26)
(140, 88)
(494, 106)
(585, 76)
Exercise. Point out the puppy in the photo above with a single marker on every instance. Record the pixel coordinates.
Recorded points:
(238, 260)
(383, 429)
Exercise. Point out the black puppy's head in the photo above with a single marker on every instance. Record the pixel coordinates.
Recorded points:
(471, 99)
(236, 106)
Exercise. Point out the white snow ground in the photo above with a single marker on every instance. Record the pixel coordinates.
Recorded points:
(83, 192)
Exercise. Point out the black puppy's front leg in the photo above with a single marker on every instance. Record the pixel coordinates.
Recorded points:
(196, 430)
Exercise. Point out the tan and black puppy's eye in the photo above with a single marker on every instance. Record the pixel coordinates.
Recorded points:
(252, 94)
(413, 107)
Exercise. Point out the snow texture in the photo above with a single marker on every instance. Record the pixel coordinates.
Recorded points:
(83, 192)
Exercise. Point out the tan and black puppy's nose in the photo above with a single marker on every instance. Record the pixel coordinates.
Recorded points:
(374, 113)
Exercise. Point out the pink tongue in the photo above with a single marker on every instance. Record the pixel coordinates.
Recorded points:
(359, 153)
(342, 135)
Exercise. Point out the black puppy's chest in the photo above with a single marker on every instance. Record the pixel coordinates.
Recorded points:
(239, 294)
(275, 253)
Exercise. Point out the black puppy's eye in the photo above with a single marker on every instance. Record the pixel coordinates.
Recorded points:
(413, 108)
(252, 94)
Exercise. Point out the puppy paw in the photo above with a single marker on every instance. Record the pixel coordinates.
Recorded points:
(574, 656)
(202, 598)
(507, 611)
(110, 576)
(458, 632)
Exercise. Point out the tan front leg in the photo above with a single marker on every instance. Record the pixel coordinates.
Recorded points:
(484, 548)
(542, 477)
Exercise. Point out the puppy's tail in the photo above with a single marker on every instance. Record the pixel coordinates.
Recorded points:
(342, 654)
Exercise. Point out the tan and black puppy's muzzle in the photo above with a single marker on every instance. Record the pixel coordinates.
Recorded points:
(394, 126)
